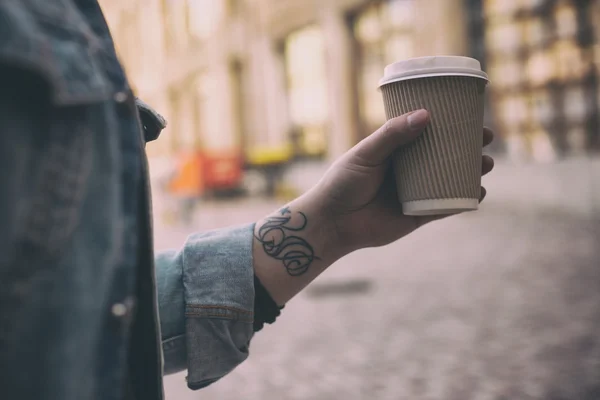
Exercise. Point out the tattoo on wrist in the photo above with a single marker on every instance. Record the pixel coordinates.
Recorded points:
(279, 240)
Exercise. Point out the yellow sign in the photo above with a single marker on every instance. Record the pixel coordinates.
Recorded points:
(269, 155)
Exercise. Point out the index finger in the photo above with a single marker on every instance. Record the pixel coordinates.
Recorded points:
(378, 147)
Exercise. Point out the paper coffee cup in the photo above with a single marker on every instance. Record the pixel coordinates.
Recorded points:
(440, 172)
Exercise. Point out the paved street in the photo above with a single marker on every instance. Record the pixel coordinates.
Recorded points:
(487, 306)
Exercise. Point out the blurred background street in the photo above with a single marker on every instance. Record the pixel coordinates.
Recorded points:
(487, 312)
(262, 95)
(502, 303)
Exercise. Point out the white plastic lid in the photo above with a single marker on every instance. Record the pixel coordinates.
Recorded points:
(425, 67)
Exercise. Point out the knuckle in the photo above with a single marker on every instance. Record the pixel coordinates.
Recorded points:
(394, 125)
(388, 127)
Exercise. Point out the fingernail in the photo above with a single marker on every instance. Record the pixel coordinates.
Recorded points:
(418, 120)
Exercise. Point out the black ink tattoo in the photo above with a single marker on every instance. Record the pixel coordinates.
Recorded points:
(278, 239)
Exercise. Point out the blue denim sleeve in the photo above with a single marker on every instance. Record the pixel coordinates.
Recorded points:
(206, 304)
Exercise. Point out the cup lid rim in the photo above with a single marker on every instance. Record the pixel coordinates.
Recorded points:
(424, 67)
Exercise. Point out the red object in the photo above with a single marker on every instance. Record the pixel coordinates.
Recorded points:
(222, 169)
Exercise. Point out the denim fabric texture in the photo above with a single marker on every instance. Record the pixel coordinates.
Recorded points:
(206, 303)
(80, 298)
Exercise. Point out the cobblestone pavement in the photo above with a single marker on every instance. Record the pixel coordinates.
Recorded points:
(493, 305)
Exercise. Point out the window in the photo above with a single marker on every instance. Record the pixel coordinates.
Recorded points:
(536, 32)
(240, 101)
(505, 37)
(575, 105)
(542, 107)
(539, 48)
(399, 13)
(175, 24)
(307, 90)
(174, 121)
(383, 34)
(367, 28)
(596, 57)
(505, 73)
(398, 46)
(595, 21)
(577, 139)
(131, 46)
(566, 22)
(540, 68)
(204, 17)
(503, 8)
(514, 111)
(569, 60)
(188, 129)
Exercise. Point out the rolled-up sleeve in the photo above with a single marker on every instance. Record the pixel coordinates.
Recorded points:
(206, 303)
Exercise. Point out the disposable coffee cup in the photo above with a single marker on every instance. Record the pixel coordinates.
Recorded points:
(440, 172)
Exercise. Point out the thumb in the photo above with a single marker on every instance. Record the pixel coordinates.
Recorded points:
(376, 148)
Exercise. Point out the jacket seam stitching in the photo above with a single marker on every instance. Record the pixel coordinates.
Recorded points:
(221, 316)
(238, 310)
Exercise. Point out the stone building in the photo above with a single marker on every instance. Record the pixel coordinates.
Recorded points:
(276, 78)
(281, 80)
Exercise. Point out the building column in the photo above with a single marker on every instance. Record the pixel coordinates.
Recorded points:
(217, 125)
(339, 53)
(440, 28)
(273, 129)
(221, 133)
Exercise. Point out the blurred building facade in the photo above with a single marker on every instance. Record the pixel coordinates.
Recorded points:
(281, 80)
(544, 62)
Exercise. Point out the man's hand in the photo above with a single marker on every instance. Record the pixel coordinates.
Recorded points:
(359, 190)
(354, 206)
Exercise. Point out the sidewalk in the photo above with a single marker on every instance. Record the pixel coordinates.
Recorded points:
(491, 305)
(570, 186)
(500, 304)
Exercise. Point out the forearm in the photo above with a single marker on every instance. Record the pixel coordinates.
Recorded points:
(292, 246)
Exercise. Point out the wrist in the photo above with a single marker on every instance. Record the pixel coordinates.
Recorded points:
(293, 245)
(301, 231)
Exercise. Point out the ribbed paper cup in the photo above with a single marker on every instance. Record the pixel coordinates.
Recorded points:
(440, 172)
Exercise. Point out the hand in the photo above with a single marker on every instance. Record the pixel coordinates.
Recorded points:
(354, 206)
(359, 190)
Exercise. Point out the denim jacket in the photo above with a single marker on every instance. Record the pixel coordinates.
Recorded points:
(80, 297)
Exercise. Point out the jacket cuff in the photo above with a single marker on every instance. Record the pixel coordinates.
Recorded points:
(218, 281)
